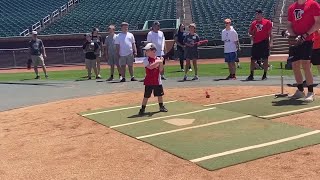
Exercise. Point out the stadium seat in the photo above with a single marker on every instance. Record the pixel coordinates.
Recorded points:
(18, 15)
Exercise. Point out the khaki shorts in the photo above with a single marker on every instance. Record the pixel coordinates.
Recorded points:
(113, 60)
(37, 60)
(126, 60)
(91, 63)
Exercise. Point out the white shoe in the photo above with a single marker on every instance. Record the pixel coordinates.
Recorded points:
(182, 70)
(298, 95)
(190, 70)
(310, 97)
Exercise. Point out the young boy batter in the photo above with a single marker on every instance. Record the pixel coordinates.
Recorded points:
(152, 81)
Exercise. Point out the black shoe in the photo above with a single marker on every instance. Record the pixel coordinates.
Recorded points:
(250, 78)
(264, 78)
(163, 78)
(110, 79)
(163, 109)
(229, 77)
(89, 78)
(37, 77)
(141, 112)
(133, 79)
(123, 80)
(98, 77)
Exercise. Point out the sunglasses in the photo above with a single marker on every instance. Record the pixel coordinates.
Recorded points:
(227, 22)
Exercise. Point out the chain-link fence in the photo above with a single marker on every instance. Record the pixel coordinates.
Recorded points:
(55, 56)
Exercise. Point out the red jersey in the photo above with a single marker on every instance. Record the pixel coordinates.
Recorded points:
(316, 40)
(153, 77)
(261, 30)
(302, 16)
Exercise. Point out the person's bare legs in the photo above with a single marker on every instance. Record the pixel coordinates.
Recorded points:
(145, 101)
(233, 68)
(112, 70)
(36, 70)
(119, 69)
(186, 68)
(131, 71)
(265, 68)
(44, 68)
(98, 67)
(229, 66)
(296, 67)
(195, 66)
(123, 71)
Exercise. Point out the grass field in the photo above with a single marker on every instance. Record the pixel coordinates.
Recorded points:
(213, 70)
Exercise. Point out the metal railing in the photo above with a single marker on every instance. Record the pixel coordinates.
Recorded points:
(11, 58)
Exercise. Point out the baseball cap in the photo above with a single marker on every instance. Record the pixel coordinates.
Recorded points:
(150, 46)
(88, 34)
(34, 33)
(124, 24)
(156, 23)
(259, 11)
(192, 25)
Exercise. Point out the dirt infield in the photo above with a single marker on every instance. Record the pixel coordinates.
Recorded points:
(104, 66)
(51, 141)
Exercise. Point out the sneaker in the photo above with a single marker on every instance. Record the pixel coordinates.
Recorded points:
(163, 109)
(185, 77)
(229, 77)
(133, 79)
(141, 112)
(46, 76)
(89, 78)
(163, 78)
(310, 97)
(37, 77)
(195, 78)
(264, 78)
(250, 78)
(233, 78)
(190, 70)
(110, 79)
(298, 95)
(98, 77)
(238, 66)
(123, 80)
(182, 70)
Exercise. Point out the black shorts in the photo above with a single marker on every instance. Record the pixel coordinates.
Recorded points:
(260, 51)
(301, 52)
(157, 91)
(315, 57)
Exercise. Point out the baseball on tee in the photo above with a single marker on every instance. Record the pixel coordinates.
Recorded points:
(125, 40)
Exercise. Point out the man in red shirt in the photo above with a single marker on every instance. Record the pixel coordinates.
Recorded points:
(315, 57)
(152, 81)
(261, 34)
(303, 21)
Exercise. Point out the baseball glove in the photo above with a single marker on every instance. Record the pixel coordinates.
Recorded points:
(29, 62)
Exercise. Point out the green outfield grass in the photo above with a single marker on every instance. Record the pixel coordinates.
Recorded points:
(213, 70)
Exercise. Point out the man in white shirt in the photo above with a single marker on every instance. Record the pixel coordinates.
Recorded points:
(126, 51)
(156, 37)
(231, 45)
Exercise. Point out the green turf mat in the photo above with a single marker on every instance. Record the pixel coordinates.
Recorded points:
(269, 107)
(211, 131)
(114, 118)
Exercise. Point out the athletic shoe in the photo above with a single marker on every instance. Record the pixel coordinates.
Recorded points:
(190, 70)
(238, 66)
(89, 78)
(310, 97)
(163, 109)
(98, 77)
(37, 77)
(264, 78)
(163, 78)
(133, 79)
(229, 77)
(123, 80)
(110, 79)
(195, 78)
(141, 112)
(46, 76)
(182, 70)
(185, 77)
(250, 78)
(233, 78)
(298, 95)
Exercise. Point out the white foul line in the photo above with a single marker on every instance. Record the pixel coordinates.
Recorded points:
(227, 102)
(163, 117)
(193, 127)
(290, 112)
(254, 147)
(120, 109)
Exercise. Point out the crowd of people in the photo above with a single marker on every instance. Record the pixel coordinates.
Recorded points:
(120, 50)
